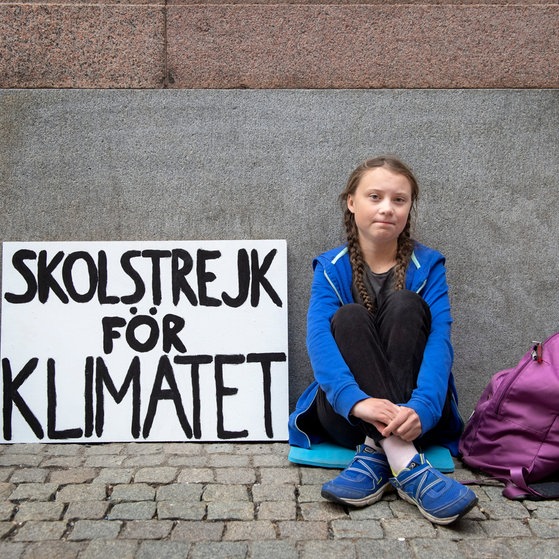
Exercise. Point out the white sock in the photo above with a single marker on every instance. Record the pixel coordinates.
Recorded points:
(399, 453)
(370, 442)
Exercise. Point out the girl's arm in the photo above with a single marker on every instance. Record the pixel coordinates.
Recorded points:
(330, 369)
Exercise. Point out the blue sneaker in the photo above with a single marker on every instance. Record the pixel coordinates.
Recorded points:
(439, 498)
(363, 482)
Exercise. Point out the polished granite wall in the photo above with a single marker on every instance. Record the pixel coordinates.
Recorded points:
(305, 44)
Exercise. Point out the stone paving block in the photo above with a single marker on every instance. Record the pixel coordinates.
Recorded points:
(220, 448)
(6, 511)
(322, 511)
(254, 449)
(434, 549)
(6, 473)
(142, 449)
(374, 512)
(217, 492)
(235, 475)
(273, 492)
(104, 461)
(133, 492)
(543, 509)
(20, 460)
(181, 510)
(269, 461)
(184, 448)
(529, 548)
(408, 528)
(403, 509)
(28, 448)
(273, 550)
(198, 531)
(228, 461)
(34, 492)
(6, 528)
(276, 510)
(315, 476)
(37, 531)
(114, 475)
(461, 530)
(99, 549)
(54, 550)
(230, 510)
(180, 492)
(62, 462)
(309, 493)
(213, 550)
(279, 475)
(39, 510)
(356, 529)
(78, 492)
(9, 550)
(150, 460)
(146, 530)
(473, 549)
(54, 449)
(504, 508)
(86, 510)
(31, 475)
(328, 550)
(303, 531)
(253, 530)
(396, 548)
(6, 489)
(133, 511)
(165, 474)
(95, 530)
(163, 550)
(195, 475)
(187, 461)
(544, 528)
(73, 475)
(105, 448)
(508, 528)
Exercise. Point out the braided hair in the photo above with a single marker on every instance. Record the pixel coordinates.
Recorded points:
(405, 241)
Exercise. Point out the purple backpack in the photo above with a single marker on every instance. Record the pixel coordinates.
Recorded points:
(513, 433)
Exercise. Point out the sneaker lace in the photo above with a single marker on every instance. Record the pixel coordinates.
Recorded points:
(427, 480)
(361, 465)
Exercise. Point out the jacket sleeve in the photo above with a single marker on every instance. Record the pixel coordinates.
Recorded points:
(330, 370)
(429, 396)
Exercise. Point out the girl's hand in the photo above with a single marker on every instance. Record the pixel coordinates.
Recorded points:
(406, 425)
(376, 411)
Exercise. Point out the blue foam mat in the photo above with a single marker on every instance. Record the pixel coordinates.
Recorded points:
(328, 455)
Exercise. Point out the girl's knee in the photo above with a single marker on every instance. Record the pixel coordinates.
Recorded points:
(349, 316)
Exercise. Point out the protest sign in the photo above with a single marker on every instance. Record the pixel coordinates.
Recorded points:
(144, 341)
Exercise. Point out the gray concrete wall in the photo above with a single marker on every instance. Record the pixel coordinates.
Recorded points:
(233, 164)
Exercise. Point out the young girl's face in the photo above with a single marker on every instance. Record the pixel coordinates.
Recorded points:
(381, 205)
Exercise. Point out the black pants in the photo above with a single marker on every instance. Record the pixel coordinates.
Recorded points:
(384, 352)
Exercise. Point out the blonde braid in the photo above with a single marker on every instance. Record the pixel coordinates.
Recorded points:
(357, 262)
(403, 256)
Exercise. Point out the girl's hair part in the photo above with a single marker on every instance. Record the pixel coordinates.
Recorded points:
(405, 241)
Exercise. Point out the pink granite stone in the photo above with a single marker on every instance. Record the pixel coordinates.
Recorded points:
(363, 46)
(48, 45)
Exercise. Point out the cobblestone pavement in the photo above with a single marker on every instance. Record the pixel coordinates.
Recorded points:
(190, 501)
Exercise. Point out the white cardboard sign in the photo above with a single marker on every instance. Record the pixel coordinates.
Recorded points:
(144, 341)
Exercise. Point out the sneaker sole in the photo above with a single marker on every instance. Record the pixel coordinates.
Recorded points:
(434, 519)
(363, 502)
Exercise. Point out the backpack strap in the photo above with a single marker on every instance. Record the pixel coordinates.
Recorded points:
(518, 488)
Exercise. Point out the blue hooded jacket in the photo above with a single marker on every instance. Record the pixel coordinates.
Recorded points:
(331, 288)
